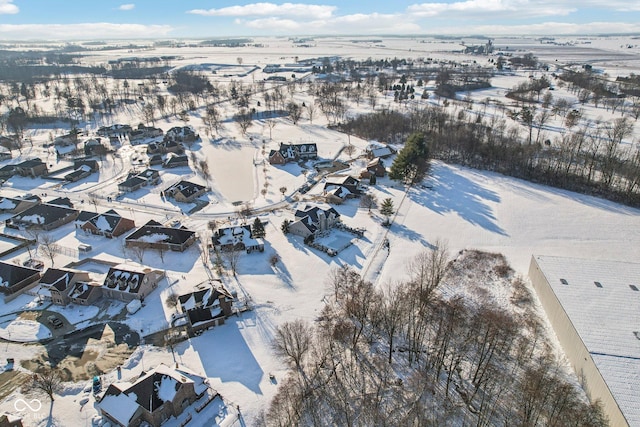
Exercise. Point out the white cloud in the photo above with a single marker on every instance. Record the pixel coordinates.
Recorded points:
(98, 30)
(373, 23)
(8, 8)
(128, 6)
(519, 9)
(312, 11)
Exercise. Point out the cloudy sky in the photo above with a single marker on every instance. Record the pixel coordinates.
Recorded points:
(90, 19)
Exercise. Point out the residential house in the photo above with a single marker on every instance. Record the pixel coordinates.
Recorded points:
(339, 188)
(174, 161)
(45, 216)
(32, 168)
(185, 191)
(137, 180)
(15, 279)
(382, 151)
(18, 204)
(85, 293)
(115, 130)
(70, 138)
(61, 201)
(156, 236)
(109, 224)
(313, 220)
(10, 143)
(126, 282)
(375, 168)
(155, 159)
(10, 420)
(238, 238)
(293, 152)
(7, 171)
(5, 154)
(165, 146)
(208, 305)
(94, 147)
(144, 132)
(57, 283)
(82, 169)
(181, 134)
(153, 398)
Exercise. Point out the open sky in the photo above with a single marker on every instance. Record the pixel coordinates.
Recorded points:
(87, 19)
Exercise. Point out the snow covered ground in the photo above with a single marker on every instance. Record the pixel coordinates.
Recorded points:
(467, 208)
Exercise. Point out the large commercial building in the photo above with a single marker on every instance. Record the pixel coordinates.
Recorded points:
(594, 308)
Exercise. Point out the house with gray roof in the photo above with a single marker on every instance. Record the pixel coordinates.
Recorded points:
(153, 398)
(154, 235)
(109, 224)
(15, 279)
(45, 216)
(126, 282)
(185, 191)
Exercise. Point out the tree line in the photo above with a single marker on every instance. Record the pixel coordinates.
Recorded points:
(406, 354)
(588, 157)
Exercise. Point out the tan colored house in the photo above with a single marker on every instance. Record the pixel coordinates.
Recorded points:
(185, 191)
(126, 282)
(59, 282)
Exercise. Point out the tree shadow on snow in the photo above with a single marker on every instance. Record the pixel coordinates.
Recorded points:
(454, 193)
(230, 359)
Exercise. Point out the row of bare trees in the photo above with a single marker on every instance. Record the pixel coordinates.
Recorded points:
(407, 355)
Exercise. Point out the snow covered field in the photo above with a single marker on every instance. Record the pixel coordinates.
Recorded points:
(467, 208)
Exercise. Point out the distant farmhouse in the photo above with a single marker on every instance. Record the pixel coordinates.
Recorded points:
(185, 191)
(238, 238)
(153, 398)
(15, 279)
(208, 305)
(154, 235)
(293, 152)
(313, 220)
(137, 180)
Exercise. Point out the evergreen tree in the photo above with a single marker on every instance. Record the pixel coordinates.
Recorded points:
(412, 162)
(387, 209)
(285, 226)
(258, 230)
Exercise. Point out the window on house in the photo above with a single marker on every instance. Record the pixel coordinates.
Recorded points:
(598, 284)
(633, 287)
(564, 281)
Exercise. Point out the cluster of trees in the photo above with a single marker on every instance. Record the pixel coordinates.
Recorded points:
(588, 157)
(412, 162)
(407, 355)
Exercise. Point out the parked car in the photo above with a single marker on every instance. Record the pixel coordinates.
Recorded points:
(55, 322)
